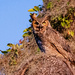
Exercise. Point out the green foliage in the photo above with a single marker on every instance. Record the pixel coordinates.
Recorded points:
(4, 52)
(27, 29)
(10, 44)
(35, 9)
(71, 10)
(70, 32)
(21, 46)
(30, 20)
(31, 10)
(65, 22)
(16, 52)
(27, 32)
(49, 5)
(38, 50)
(12, 61)
(8, 50)
(68, 3)
(13, 48)
(62, 23)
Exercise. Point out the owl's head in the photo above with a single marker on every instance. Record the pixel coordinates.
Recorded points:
(39, 24)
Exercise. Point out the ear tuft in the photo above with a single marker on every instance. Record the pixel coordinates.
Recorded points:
(33, 16)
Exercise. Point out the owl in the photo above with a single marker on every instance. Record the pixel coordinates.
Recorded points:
(48, 39)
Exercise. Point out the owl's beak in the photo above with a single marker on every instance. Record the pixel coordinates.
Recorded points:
(40, 27)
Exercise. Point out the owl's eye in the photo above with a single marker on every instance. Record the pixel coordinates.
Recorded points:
(44, 23)
(36, 23)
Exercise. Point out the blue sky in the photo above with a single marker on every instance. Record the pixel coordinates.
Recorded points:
(14, 18)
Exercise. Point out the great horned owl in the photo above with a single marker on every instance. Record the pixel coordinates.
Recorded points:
(48, 39)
